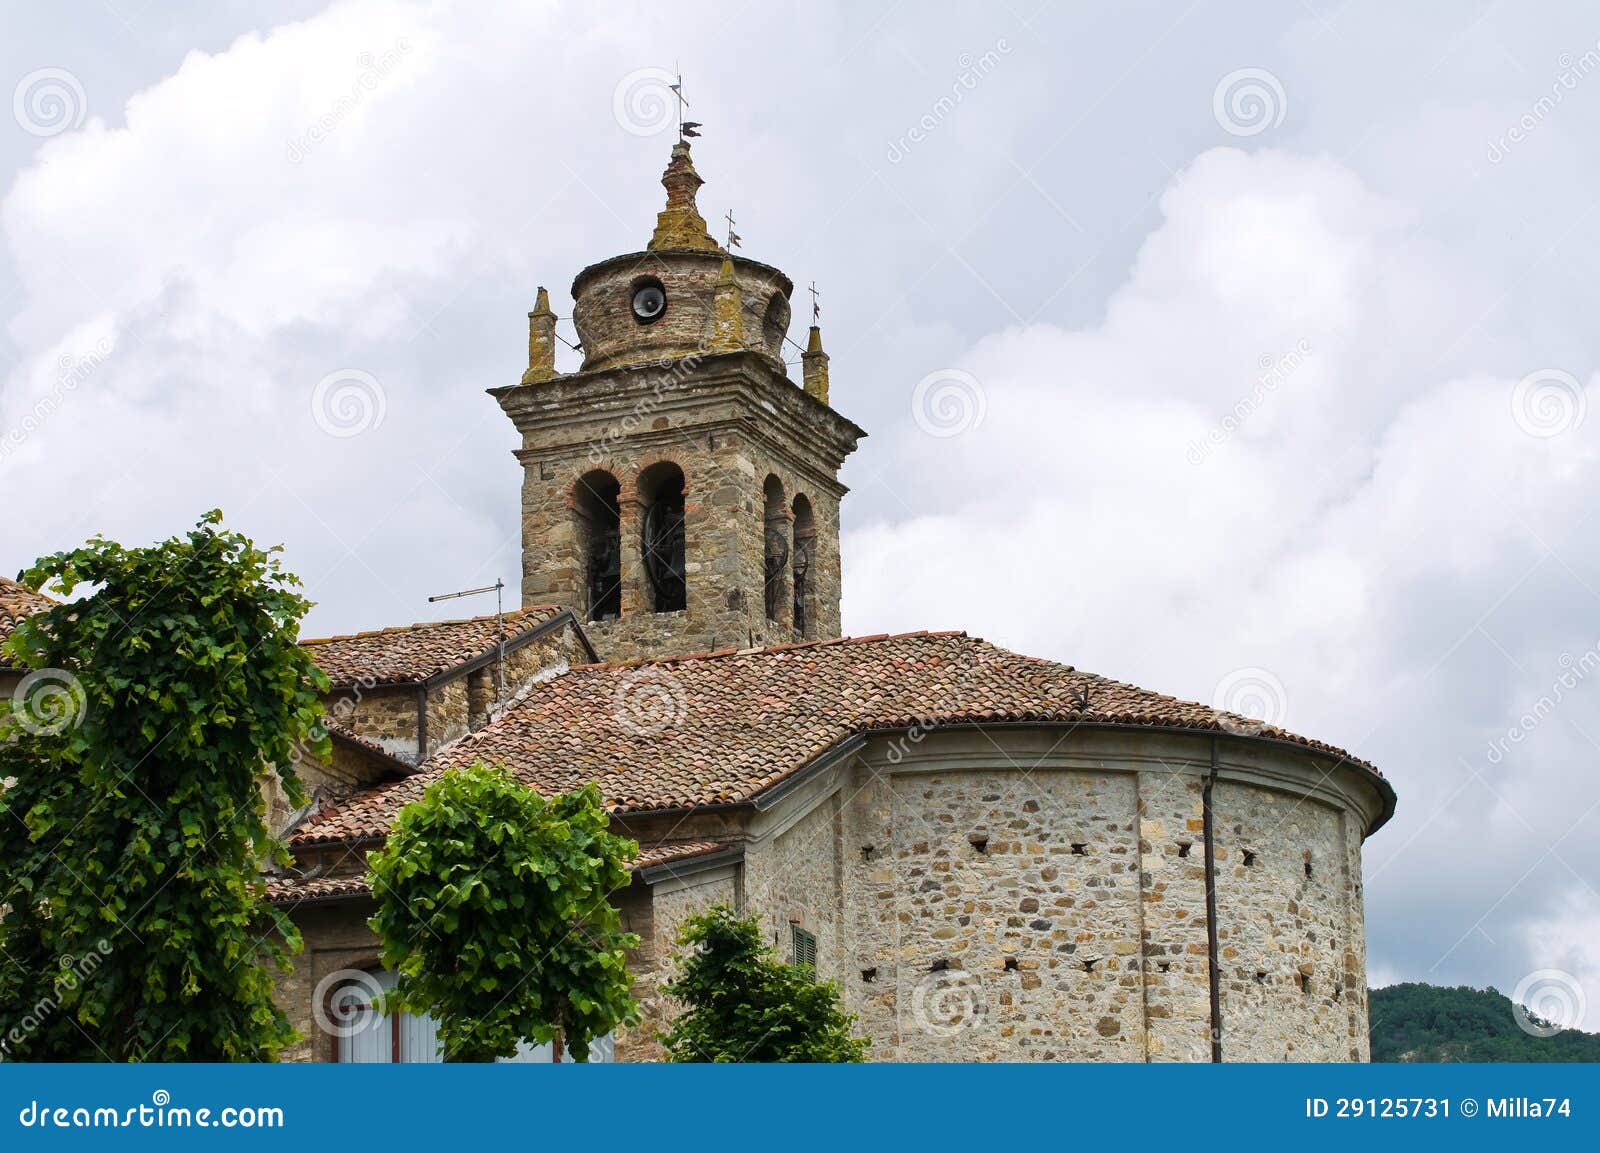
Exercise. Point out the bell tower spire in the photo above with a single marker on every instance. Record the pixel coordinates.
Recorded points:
(680, 491)
(679, 226)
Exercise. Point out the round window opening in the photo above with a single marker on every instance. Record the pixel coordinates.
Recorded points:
(649, 301)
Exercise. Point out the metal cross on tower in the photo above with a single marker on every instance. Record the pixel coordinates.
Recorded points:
(686, 128)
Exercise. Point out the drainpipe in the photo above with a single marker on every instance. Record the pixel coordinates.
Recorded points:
(1213, 972)
(422, 723)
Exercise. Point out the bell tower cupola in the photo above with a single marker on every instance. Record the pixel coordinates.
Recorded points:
(680, 492)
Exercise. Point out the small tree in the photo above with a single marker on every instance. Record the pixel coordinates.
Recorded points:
(494, 908)
(132, 924)
(743, 1004)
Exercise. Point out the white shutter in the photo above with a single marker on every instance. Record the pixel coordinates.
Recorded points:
(419, 1039)
(370, 1040)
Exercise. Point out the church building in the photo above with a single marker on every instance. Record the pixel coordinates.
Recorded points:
(995, 857)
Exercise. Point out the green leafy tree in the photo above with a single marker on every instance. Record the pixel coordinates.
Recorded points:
(494, 908)
(744, 1004)
(132, 924)
(1428, 1023)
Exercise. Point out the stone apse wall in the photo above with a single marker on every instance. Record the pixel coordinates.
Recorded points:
(1009, 897)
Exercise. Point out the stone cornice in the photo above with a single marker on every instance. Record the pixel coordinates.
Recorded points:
(735, 390)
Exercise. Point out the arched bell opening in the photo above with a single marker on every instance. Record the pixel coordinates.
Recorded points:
(776, 551)
(596, 507)
(662, 537)
(805, 539)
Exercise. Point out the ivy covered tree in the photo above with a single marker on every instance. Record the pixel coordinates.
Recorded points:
(494, 909)
(132, 919)
(743, 1004)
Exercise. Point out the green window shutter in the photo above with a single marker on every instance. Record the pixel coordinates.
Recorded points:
(803, 945)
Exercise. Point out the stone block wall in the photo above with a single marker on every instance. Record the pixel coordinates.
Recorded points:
(603, 315)
(796, 882)
(1023, 901)
(1027, 895)
(658, 917)
(1288, 928)
(335, 937)
(383, 714)
(1173, 937)
(1007, 926)
(387, 714)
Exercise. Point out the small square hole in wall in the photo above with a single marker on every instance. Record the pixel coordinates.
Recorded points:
(1011, 964)
(1308, 867)
(1079, 849)
(1089, 963)
(979, 841)
(1249, 858)
(1184, 847)
(869, 975)
(866, 852)
(1261, 976)
(939, 966)
(1164, 966)
(1305, 982)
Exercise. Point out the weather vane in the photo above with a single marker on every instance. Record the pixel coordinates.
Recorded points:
(686, 128)
(816, 308)
(733, 237)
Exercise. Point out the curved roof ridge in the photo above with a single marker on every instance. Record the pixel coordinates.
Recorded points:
(760, 650)
(391, 630)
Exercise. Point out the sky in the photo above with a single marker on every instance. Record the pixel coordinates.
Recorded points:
(1241, 351)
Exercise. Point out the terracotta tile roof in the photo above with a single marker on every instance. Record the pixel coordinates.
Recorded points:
(16, 602)
(723, 727)
(296, 890)
(653, 853)
(411, 653)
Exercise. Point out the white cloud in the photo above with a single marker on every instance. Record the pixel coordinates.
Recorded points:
(1360, 531)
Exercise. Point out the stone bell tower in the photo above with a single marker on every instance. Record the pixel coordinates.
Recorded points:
(680, 492)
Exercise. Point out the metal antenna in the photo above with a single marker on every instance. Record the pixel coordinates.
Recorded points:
(500, 627)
